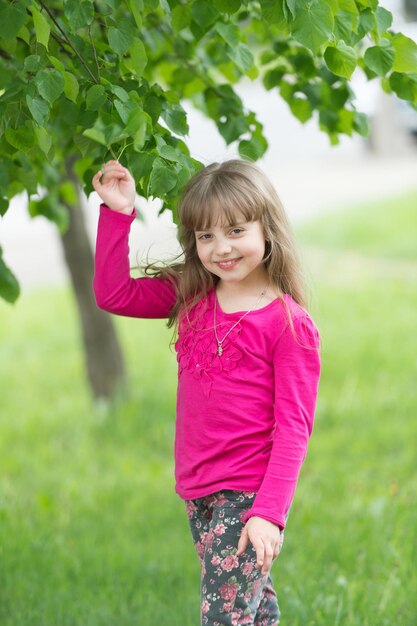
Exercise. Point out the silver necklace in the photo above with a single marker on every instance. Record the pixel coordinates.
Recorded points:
(220, 341)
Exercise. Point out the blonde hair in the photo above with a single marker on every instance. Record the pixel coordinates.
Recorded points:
(230, 189)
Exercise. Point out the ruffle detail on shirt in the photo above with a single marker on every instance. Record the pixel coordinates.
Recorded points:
(196, 346)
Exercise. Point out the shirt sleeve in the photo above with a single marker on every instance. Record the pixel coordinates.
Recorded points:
(114, 289)
(296, 363)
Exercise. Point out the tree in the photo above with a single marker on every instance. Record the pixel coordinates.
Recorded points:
(84, 81)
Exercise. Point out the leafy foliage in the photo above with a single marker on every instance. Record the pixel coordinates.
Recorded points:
(85, 81)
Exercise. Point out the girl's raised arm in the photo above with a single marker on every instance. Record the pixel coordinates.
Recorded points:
(115, 290)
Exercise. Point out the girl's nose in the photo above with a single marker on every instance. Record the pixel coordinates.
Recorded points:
(223, 247)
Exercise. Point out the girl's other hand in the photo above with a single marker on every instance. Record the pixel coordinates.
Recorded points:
(265, 537)
(116, 188)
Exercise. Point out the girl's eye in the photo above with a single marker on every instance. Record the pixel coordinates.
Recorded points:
(237, 231)
(203, 237)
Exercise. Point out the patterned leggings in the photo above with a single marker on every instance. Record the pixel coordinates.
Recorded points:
(233, 591)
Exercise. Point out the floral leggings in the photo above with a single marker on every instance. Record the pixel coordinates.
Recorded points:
(233, 591)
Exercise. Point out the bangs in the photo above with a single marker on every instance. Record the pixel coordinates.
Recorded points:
(226, 200)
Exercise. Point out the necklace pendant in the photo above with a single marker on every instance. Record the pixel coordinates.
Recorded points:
(219, 350)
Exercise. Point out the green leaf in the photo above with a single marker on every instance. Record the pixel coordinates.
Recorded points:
(32, 63)
(227, 6)
(125, 109)
(291, 6)
(58, 65)
(345, 24)
(12, 18)
(348, 5)
(171, 154)
(44, 139)
(50, 84)
(341, 59)
(21, 138)
(204, 13)
(233, 128)
(4, 205)
(140, 164)
(42, 28)
(79, 14)
(120, 93)
(176, 119)
(138, 58)
(96, 97)
(106, 130)
(274, 76)
(404, 85)
(252, 149)
(71, 87)
(5, 176)
(301, 109)
(383, 20)
(371, 4)
(163, 178)
(38, 108)
(96, 133)
(135, 120)
(136, 6)
(405, 53)
(367, 22)
(328, 121)
(313, 25)
(360, 124)
(9, 287)
(228, 32)
(24, 35)
(380, 59)
(181, 17)
(273, 13)
(68, 192)
(27, 176)
(153, 106)
(51, 208)
(120, 38)
(136, 126)
(242, 56)
(346, 120)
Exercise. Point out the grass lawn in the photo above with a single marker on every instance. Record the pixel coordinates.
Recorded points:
(91, 531)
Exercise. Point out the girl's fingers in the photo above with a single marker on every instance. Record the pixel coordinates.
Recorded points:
(111, 166)
(268, 556)
(260, 549)
(109, 173)
(96, 180)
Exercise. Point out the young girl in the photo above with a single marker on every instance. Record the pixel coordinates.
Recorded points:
(248, 370)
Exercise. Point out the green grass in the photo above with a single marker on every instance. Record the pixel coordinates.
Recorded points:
(91, 531)
(384, 229)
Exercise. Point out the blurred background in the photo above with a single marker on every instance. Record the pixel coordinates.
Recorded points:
(91, 531)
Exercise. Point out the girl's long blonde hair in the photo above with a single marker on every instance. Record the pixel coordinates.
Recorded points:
(230, 189)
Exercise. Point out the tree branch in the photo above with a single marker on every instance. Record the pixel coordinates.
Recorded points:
(66, 39)
(95, 52)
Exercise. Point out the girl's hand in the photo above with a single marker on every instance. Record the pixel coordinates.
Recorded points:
(116, 188)
(265, 537)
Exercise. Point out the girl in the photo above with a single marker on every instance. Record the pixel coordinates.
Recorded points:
(248, 369)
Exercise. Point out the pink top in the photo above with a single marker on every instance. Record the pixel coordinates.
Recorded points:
(243, 419)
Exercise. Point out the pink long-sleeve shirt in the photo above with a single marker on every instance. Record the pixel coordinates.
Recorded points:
(243, 419)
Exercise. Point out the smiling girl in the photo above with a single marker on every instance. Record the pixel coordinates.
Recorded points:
(248, 370)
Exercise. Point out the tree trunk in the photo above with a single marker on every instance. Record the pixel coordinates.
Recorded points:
(103, 355)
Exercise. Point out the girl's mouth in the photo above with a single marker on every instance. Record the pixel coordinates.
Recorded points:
(227, 265)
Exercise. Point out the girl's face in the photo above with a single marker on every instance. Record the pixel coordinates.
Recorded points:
(234, 253)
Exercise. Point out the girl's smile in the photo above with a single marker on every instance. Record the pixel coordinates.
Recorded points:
(234, 253)
(229, 264)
